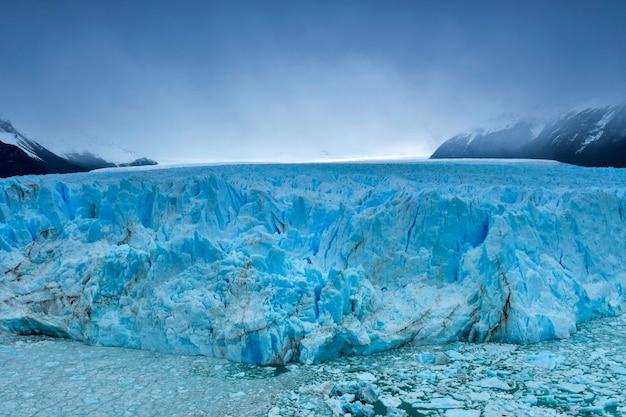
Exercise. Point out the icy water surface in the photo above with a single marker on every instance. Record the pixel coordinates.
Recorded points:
(584, 375)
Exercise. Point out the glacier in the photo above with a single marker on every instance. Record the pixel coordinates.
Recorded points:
(269, 264)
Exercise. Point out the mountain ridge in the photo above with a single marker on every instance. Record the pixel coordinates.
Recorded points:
(20, 155)
(593, 137)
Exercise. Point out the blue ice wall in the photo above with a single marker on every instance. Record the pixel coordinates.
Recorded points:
(275, 263)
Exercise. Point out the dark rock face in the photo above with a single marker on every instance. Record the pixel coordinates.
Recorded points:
(139, 162)
(50, 162)
(505, 143)
(14, 161)
(89, 161)
(28, 157)
(592, 137)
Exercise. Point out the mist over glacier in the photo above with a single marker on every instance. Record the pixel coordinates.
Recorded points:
(275, 263)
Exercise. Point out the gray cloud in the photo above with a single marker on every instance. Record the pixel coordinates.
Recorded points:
(279, 80)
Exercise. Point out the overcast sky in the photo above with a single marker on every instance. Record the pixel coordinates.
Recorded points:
(185, 81)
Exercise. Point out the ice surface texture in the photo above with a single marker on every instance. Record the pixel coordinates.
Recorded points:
(275, 263)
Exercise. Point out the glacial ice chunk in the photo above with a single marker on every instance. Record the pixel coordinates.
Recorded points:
(275, 263)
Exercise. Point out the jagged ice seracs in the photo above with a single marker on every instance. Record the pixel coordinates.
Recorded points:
(275, 263)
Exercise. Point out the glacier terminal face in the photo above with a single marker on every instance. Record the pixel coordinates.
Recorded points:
(275, 263)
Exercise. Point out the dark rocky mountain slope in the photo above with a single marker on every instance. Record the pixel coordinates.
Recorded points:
(20, 155)
(591, 137)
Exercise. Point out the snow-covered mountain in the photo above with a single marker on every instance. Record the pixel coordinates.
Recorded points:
(499, 143)
(20, 155)
(591, 137)
(276, 263)
(29, 157)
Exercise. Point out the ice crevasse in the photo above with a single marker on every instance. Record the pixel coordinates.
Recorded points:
(275, 263)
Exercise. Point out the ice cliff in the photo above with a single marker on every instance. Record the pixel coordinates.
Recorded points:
(275, 263)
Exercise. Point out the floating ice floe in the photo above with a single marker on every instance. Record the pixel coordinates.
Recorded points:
(44, 376)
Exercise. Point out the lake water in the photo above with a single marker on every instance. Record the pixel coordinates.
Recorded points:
(583, 375)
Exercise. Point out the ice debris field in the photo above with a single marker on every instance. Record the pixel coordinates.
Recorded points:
(271, 264)
(584, 375)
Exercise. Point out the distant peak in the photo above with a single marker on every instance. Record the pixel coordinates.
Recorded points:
(34, 158)
(6, 125)
(587, 136)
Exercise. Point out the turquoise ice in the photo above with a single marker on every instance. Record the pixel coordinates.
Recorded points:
(275, 263)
